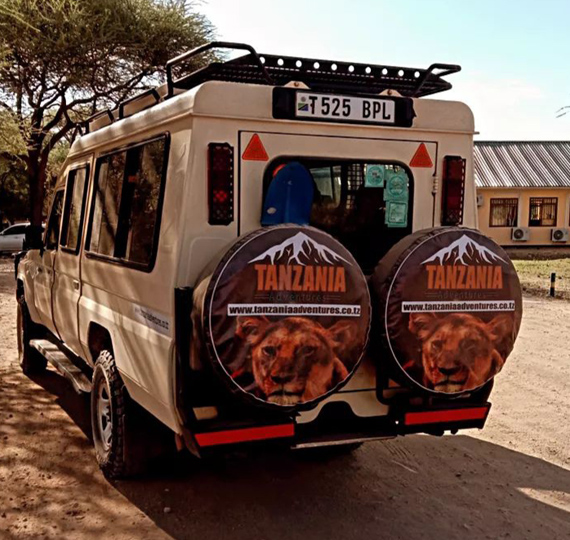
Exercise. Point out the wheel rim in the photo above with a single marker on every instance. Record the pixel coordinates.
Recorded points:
(104, 417)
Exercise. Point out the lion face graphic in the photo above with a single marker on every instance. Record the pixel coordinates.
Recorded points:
(460, 351)
(296, 360)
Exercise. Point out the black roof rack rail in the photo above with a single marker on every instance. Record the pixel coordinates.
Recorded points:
(93, 117)
(272, 70)
(322, 75)
(202, 74)
(151, 92)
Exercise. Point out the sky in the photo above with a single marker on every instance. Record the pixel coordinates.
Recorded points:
(514, 54)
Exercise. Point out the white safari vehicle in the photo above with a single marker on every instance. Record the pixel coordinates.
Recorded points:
(271, 248)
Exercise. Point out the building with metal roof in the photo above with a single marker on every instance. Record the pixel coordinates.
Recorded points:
(524, 191)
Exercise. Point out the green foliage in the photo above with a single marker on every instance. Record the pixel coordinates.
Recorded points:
(13, 185)
(94, 46)
(61, 60)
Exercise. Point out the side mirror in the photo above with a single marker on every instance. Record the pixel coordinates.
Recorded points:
(33, 238)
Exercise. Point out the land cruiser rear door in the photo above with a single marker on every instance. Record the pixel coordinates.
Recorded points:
(67, 270)
(416, 159)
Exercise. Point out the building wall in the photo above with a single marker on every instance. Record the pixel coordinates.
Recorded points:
(538, 235)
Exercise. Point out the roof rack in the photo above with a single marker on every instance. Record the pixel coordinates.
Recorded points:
(272, 70)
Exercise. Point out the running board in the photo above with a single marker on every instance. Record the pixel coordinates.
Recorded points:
(60, 361)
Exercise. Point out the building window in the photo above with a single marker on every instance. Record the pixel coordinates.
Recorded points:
(543, 212)
(128, 186)
(504, 213)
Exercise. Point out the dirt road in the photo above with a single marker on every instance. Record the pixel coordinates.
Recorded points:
(511, 480)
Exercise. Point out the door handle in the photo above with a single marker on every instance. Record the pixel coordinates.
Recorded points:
(76, 284)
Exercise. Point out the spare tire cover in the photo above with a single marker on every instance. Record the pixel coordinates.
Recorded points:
(286, 316)
(450, 306)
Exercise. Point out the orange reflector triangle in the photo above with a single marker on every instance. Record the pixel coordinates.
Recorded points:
(421, 158)
(255, 150)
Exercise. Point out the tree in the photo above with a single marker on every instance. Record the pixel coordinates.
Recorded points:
(13, 187)
(14, 196)
(62, 60)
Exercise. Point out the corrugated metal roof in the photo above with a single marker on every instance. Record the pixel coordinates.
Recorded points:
(522, 164)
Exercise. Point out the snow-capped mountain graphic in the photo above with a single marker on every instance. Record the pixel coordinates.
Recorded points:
(301, 249)
(464, 248)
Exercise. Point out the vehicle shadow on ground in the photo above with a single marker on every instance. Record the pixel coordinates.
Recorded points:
(415, 487)
(75, 405)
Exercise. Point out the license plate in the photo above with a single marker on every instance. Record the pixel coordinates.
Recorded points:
(348, 108)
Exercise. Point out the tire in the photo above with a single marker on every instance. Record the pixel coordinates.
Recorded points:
(109, 419)
(30, 360)
(279, 383)
(457, 278)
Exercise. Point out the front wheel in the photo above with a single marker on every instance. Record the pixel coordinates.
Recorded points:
(30, 360)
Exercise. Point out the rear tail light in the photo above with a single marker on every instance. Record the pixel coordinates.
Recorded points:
(453, 190)
(220, 184)
(448, 416)
(233, 436)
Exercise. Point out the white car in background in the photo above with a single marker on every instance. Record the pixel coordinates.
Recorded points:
(12, 238)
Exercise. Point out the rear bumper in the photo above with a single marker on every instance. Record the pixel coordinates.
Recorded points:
(338, 425)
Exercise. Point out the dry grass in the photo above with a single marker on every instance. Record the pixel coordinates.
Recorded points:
(535, 276)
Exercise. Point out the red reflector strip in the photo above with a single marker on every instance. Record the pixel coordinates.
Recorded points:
(248, 434)
(441, 417)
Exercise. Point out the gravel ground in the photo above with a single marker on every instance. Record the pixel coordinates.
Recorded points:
(511, 480)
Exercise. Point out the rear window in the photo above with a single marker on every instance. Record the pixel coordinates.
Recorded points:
(365, 205)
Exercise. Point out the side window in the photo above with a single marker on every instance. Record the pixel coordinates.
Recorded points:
(52, 234)
(128, 188)
(16, 229)
(142, 194)
(108, 184)
(74, 208)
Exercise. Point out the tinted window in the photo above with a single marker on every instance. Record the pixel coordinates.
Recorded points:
(52, 235)
(142, 194)
(111, 171)
(127, 197)
(328, 183)
(16, 229)
(74, 203)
